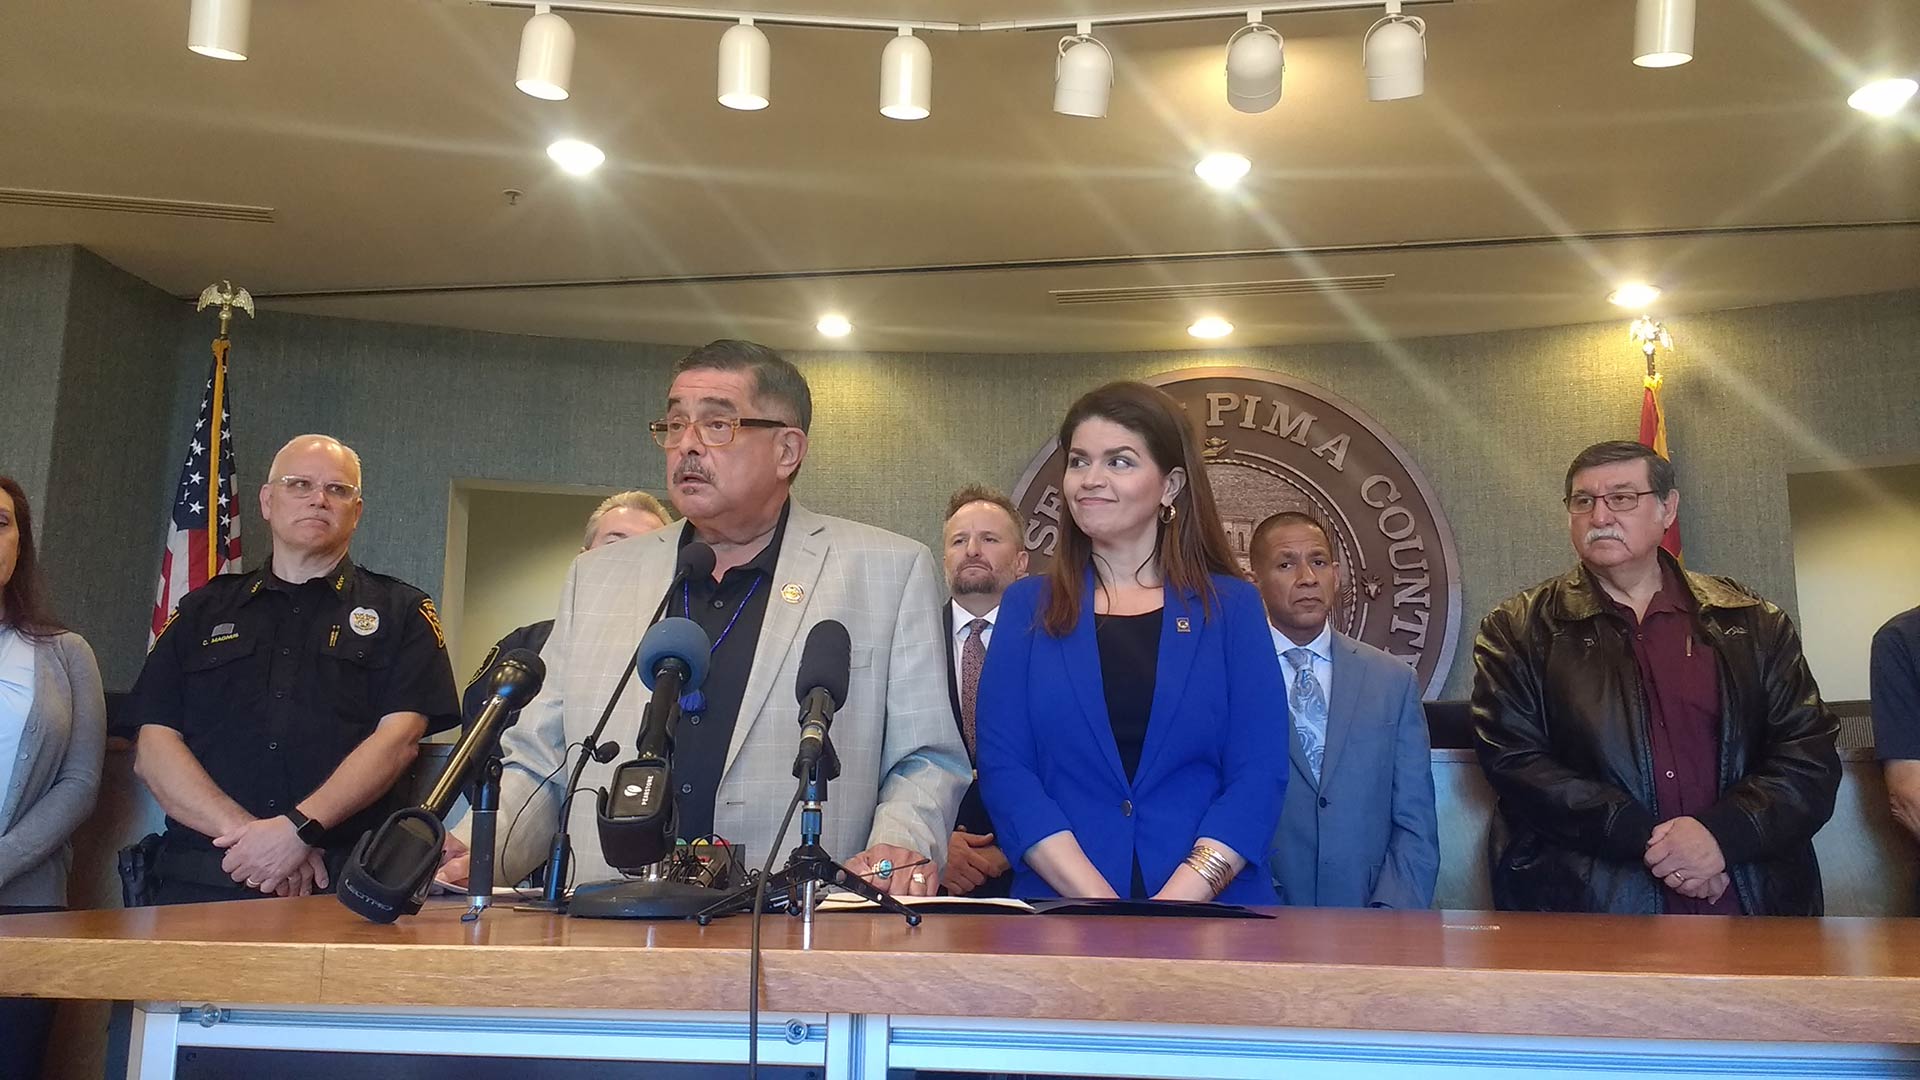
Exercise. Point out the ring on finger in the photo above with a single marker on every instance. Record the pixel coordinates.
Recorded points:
(919, 879)
(884, 870)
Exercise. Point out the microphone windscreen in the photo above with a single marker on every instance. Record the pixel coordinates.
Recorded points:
(388, 871)
(675, 639)
(825, 663)
(696, 561)
(518, 677)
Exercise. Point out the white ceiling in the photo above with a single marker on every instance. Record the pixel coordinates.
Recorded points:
(382, 133)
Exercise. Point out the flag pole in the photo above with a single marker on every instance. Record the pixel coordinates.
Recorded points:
(227, 297)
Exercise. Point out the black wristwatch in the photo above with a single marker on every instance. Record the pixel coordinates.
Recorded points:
(308, 830)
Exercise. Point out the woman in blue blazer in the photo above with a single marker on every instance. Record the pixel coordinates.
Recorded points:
(1132, 718)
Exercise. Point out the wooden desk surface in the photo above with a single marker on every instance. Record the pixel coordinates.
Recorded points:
(1816, 980)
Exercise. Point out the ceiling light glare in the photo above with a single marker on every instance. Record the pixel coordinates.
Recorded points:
(576, 157)
(1635, 295)
(834, 326)
(746, 67)
(1394, 52)
(1883, 98)
(906, 78)
(1082, 75)
(218, 28)
(1222, 171)
(1211, 327)
(1663, 33)
(1256, 60)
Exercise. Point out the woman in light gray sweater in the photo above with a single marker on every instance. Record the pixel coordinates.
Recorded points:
(53, 721)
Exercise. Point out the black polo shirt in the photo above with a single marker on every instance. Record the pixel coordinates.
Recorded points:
(273, 684)
(738, 599)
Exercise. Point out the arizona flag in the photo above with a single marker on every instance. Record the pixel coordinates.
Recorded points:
(203, 538)
(1653, 433)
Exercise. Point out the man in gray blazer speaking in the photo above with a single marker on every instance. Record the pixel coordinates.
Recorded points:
(1358, 827)
(735, 433)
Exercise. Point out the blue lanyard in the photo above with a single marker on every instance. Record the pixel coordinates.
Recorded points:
(694, 701)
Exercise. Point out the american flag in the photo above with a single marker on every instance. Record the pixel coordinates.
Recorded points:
(203, 537)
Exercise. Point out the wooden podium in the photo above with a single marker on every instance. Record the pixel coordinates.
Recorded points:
(1308, 994)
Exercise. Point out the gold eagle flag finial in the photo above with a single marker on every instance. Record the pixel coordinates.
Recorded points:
(224, 294)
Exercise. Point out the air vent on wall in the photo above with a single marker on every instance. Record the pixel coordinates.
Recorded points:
(1145, 293)
(123, 204)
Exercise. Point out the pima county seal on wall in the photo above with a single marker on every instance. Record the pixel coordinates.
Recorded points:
(1272, 443)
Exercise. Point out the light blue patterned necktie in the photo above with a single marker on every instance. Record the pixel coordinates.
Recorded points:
(1309, 705)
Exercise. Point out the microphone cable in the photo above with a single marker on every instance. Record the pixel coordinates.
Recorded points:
(753, 953)
(528, 801)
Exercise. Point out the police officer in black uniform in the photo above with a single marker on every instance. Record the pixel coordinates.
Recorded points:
(629, 513)
(280, 707)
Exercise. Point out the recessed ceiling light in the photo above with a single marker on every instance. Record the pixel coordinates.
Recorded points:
(576, 157)
(1884, 97)
(1213, 326)
(1635, 295)
(1222, 171)
(834, 325)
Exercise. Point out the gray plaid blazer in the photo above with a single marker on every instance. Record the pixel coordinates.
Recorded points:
(903, 766)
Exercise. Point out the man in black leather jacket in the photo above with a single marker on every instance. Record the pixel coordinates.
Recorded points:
(1654, 737)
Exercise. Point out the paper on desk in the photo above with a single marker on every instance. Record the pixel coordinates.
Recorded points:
(950, 905)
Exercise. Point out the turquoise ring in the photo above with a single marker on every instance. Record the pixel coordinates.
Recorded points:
(884, 870)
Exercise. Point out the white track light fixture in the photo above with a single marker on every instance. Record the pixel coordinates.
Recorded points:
(906, 78)
(746, 67)
(546, 56)
(1082, 75)
(1663, 33)
(218, 28)
(1256, 60)
(1395, 55)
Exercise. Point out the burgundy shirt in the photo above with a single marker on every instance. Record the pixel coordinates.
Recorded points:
(1681, 677)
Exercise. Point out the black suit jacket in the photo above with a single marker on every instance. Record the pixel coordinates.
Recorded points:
(973, 810)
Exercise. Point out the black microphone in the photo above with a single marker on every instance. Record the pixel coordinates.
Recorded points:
(389, 870)
(695, 559)
(638, 816)
(822, 688)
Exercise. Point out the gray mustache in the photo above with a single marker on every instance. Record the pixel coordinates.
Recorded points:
(1605, 532)
(690, 470)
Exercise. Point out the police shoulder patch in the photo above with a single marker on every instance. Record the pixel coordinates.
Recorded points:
(433, 620)
(485, 665)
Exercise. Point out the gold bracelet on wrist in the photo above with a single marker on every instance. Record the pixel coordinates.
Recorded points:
(1212, 866)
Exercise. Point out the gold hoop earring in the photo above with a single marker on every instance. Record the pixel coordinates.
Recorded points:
(1168, 513)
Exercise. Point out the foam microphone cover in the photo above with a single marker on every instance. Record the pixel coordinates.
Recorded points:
(825, 663)
(695, 561)
(675, 639)
(518, 677)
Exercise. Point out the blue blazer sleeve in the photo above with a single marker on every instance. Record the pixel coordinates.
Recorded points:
(1412, 865)
(1255, 758)
(1022, 812)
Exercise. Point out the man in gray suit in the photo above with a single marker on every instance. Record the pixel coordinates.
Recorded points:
(735, 433)
(1358, 828)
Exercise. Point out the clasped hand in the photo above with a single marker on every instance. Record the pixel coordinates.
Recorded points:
(1687, 859)
(268, 854)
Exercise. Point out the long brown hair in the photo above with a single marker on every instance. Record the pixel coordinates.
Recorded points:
(1190, 547)
(25, 610)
